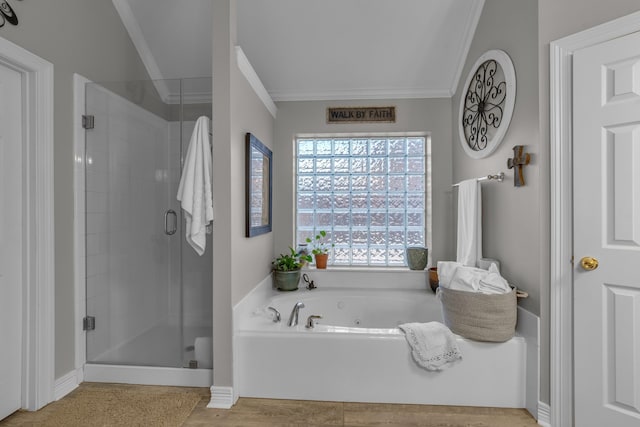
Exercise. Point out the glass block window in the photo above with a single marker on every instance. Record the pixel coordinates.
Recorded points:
(368, 193)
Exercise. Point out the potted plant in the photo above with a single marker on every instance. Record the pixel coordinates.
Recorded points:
(320, 248)
(286, 270)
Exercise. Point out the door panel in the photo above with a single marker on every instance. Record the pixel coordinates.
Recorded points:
(606, 157)
(133, 264)
(10, 241)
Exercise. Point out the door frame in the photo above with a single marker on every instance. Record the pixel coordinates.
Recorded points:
(561, 236)
(38, 236)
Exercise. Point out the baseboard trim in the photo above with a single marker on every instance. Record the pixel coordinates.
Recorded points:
(66, 384)
(544, 414)
(221, 398)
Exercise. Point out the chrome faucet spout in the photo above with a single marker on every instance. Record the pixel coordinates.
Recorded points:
(293, 319)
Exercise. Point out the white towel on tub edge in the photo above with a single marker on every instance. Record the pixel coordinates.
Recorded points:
(433, 345)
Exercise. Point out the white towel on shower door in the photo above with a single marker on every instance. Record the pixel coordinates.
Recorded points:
(469, 247)
(433, 345)
(195, 190)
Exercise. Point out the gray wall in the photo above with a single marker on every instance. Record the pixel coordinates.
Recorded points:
(510, 215)
(76, 36)
(557, 19)
(251, 256)
(413, 115)
(239, 263)
(223, 39)
(513, 217)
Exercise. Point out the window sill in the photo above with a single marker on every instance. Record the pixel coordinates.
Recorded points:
(369, 277)
(367, 269)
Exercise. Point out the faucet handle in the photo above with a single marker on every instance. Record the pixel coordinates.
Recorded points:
(310, 284)
(276, 314)
(310, 324)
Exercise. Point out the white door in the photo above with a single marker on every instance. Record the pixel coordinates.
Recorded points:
(10, 241)
(606, 164)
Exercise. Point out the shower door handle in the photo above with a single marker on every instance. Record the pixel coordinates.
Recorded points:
(170, 231)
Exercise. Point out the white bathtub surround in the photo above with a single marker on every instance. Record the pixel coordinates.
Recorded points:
(528, 327)
(433, 346)
(357, 353)
(369, 278)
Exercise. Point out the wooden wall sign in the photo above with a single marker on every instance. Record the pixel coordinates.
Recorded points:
(7, 14)
(361, 115)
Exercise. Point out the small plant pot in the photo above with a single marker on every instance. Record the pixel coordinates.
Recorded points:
(433, 278)
(286, 280)
(321, 260)
(417, 257)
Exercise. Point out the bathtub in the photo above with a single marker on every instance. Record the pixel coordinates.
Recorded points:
(356, 353)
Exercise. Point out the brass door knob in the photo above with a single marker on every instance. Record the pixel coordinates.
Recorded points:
(588, 263)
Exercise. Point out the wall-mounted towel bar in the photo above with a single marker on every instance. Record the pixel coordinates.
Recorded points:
(498, 177)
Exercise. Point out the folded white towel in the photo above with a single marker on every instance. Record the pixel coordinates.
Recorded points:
(469, 244)
(467, 279)
(493, 282)
(445, 272)
(471, 279)
(195, 189)
(433, 345)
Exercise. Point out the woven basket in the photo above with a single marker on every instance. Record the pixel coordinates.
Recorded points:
(480, 317)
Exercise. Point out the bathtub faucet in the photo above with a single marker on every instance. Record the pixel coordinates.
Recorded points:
(310, 284)
(293, 319)
(310, 320)
(276, 314)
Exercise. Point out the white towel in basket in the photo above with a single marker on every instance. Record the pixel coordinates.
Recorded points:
(433, 345)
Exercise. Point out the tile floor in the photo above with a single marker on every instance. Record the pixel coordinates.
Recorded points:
(284, 413)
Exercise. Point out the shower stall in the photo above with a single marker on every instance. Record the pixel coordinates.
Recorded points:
(148, 294)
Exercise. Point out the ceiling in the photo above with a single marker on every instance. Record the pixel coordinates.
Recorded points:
(313, 50)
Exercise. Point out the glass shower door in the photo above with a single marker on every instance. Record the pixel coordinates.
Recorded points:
(133, 248)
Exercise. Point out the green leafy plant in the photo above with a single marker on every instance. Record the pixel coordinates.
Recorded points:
(320, 243)
(291, 261)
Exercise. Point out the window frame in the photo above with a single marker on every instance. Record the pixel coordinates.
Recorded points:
(428, 187)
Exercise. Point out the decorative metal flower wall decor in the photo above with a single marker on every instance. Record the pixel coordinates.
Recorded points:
(7, 14)
(487, 104)
(483, 106)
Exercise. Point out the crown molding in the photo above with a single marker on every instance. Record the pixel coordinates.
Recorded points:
(471, 26)
(254, 81)
(338, 95)
(135, 33)
(189, 98)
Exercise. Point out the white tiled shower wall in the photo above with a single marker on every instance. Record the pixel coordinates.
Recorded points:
(133, 268)
(129, 259)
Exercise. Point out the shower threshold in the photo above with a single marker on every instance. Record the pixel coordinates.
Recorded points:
(148, 375)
